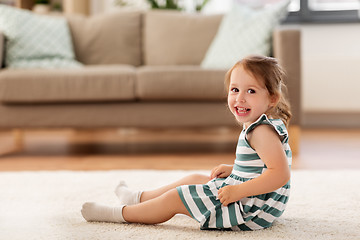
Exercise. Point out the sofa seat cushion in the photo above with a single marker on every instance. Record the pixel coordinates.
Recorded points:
(180, 83)
(87, 84)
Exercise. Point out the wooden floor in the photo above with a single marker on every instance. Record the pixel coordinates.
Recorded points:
(174, 149)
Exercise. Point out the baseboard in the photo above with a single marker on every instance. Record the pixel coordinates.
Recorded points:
(331, 119)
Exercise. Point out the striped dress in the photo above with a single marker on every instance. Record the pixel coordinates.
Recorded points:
(250, 213)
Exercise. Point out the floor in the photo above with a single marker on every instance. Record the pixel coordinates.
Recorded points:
(172, 149)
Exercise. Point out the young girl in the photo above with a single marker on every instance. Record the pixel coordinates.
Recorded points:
(249, 195)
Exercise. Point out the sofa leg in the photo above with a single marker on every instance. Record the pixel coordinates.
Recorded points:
(12, 142)
(294, 140)
(18, 136)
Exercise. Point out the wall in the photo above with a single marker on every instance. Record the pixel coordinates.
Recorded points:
(331, 74)
(331, 67)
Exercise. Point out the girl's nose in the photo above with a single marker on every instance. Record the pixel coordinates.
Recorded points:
(240, 98)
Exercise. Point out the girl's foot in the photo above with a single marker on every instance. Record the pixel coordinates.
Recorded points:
(93, 212)
(126, 195)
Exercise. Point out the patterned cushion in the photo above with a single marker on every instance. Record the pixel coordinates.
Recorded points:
(244, 31)
(35, 41)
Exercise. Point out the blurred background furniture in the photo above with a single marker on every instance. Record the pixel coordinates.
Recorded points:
(67, 6)
(141, 69)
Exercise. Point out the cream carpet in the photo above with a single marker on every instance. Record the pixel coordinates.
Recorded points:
(46, 205)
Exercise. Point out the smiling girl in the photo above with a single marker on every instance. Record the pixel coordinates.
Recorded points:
(249, 195)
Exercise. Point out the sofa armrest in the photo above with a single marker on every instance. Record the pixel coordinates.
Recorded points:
(2, 49)
(287, 49)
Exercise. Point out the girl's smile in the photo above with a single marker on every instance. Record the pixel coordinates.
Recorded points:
(242, 111)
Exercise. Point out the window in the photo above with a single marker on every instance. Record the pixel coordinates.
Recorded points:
(323, 11)
(311, 11)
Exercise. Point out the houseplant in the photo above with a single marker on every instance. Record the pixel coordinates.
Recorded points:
(161, 4)
(41, 6)
(175, 4)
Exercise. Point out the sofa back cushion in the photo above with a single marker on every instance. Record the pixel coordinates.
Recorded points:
(112, 38)
(176, 38)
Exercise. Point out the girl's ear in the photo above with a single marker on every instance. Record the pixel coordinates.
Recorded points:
(274, 100)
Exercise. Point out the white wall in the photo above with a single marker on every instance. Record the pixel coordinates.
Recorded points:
(331, 68)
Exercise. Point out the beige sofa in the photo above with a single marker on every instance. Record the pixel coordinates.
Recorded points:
(140, 70)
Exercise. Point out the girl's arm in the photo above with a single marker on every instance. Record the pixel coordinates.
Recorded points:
(268, 146)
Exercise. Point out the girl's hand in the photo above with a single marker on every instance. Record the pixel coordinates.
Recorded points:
(228, 194)
(221, 171)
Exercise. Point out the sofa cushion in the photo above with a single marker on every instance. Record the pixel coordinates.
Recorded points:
(242, 32)
(35, 41)
(176, 38)
(180, 83)
(88, 84)
(112, 38)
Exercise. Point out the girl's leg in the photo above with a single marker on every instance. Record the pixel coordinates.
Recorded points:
(154, 211)
(131, 197)
(188, 180)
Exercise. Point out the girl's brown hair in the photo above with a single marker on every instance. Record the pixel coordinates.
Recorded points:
(270, 73)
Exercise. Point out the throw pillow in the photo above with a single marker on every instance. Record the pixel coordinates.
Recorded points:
(244, 31)
(36, 41)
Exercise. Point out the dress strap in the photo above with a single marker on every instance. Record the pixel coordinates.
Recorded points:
(277, 124)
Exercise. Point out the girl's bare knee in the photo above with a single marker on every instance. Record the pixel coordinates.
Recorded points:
(173, 201)
(199, 178)
(172, 195)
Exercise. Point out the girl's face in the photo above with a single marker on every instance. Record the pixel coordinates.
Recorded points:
(248, 99)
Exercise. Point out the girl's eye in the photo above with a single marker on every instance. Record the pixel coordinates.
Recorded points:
(251, 91)
(234, 90)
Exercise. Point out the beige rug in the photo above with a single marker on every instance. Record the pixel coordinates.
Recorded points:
(46, 205)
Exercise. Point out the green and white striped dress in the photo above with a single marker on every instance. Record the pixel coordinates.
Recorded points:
(250, 213)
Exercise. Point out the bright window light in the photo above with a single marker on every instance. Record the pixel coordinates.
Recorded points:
(333, 5)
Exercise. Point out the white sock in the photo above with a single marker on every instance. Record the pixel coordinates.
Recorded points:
(100, 213)
(126, 195)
